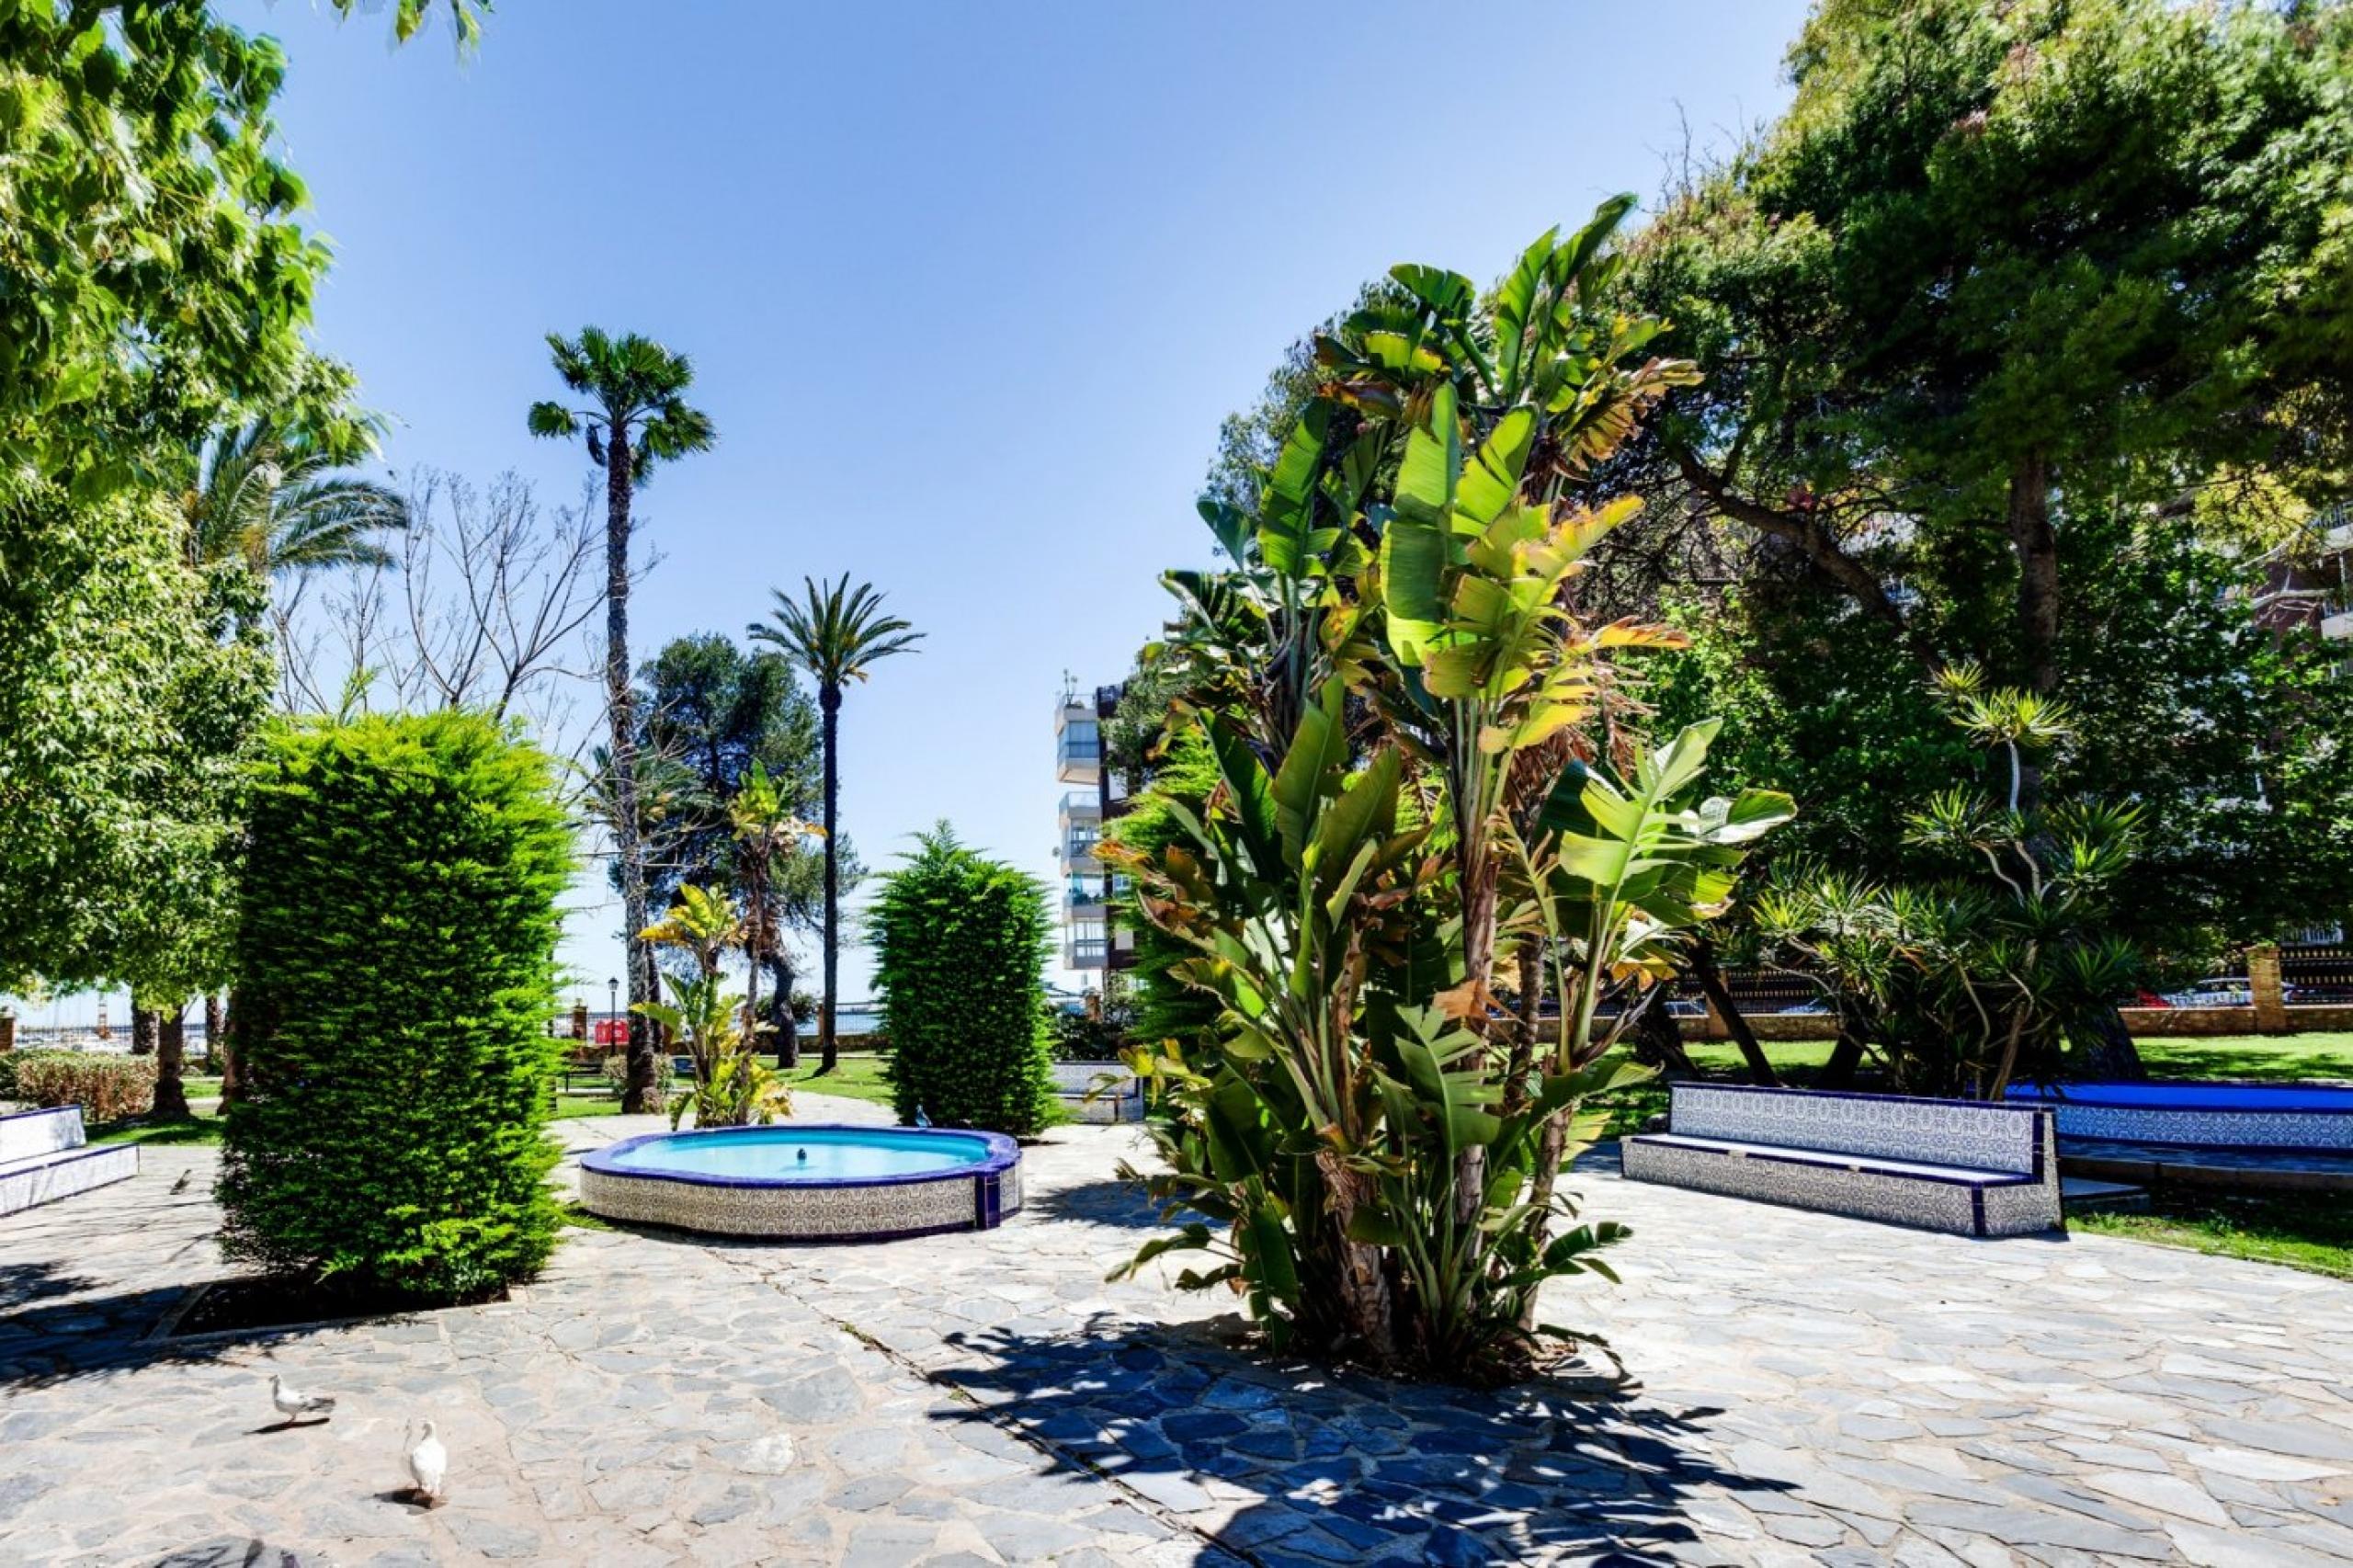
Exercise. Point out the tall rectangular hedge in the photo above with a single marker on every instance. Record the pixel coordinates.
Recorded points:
(395, 961)
(960, 943)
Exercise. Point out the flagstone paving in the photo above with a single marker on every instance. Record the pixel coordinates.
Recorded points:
(1811, 1390)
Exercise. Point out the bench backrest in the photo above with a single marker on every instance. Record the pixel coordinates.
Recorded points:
(30, 1132)
(1890, 1127)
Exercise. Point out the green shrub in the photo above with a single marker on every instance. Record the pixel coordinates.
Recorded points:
(959, 944)
(107, 1088)
(396, 953)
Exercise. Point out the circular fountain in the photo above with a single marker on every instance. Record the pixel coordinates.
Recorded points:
(816, 1183)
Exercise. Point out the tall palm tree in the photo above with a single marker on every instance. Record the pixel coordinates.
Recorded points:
(838, 635)
(635, 415)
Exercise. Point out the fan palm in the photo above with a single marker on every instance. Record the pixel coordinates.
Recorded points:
(275, 501)
(633, 415)
(838, 633)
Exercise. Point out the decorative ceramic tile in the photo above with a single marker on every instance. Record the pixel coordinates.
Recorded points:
(1817, 1129)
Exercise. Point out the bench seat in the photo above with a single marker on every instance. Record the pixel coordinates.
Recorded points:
(1956, 1166)
(45, 1155)
(1959, 1175)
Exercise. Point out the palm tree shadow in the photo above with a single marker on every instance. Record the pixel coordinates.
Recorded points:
(1337, 1464)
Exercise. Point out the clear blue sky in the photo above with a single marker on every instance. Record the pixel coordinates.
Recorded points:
(967, 287)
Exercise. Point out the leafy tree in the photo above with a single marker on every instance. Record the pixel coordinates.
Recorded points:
(2014, 331)
(708, 714)
(960, 948)
(636, 417)
(838, 635)
(130, 690)
(1166, 1006)
(395, 955)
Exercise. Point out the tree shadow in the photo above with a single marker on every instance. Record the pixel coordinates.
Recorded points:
(63, 1337)
(22, 1284)
(1112, 1201)
(1289, 1461)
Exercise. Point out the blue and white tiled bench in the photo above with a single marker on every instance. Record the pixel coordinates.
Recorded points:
(1078, 1086)
(44, 1156)
(1958, 1165)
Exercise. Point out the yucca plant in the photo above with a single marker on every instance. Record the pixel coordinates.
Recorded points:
(1962, 983)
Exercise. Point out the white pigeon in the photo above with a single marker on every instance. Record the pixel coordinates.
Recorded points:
(294, 1405)
(429, 1462)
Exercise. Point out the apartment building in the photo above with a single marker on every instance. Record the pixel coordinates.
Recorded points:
(1091, 938)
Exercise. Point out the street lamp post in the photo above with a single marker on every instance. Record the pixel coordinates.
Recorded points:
(613, 997)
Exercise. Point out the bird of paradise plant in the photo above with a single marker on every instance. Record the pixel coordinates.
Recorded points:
(733, 1086)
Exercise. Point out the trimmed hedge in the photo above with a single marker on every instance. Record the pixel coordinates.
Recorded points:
(107, 1088)
(961, 942)
(395, 954)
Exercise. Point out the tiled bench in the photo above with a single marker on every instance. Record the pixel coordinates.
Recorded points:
(44, 1155)
(1074, 1086)
(1958, 1165)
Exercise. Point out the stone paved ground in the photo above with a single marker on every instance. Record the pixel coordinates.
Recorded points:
(1815, 1390)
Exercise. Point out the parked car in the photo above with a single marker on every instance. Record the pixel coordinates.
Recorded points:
(2224, 991)
(2318, 995)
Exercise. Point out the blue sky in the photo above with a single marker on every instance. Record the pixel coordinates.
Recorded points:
(967, 287)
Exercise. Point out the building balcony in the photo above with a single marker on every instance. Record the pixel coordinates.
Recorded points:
(2338, 624)
(1078, 745)
(1077, 852)
(1084, 952)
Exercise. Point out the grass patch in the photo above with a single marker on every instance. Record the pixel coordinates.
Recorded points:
(2314, 1234)
(146, 1129)
(572, 1108)
(864, 1079)
(2260, 1057)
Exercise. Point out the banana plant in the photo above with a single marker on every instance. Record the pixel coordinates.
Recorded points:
(732, 1087)
(1296, 877)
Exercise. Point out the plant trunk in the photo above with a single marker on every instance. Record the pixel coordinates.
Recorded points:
(145, 1025)
(2110, 1054)
(637, 1094)
(829, 700)
(1846, 1060)
(780, 1019)
(1367, 1311)
(1478, 961)
(216, 1039)
(2036, 543)
(1711, 984)
(232, 1080)
(1657, 1042)
(171, 1060)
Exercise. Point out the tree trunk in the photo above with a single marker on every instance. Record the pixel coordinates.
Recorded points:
(171, 1058)
(145, 1025)
(232, 1078)
(637, 1096)
(2037, 544)
(829, 700)
(2110, 1054)
(1711, 984)
(216, 1039)
(1846, 1060)
(1366, 1310)
(780, 1019)
(1658, 1042)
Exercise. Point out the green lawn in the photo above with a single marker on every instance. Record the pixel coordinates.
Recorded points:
(2251, 1056)
(204, 1129)
(2314, 1234)
(864, 1079)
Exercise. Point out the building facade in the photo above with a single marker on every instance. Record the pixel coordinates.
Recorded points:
(1098, 793)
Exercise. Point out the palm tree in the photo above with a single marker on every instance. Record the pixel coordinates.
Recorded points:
(838, 635)
(636, 416)
(272, 498)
